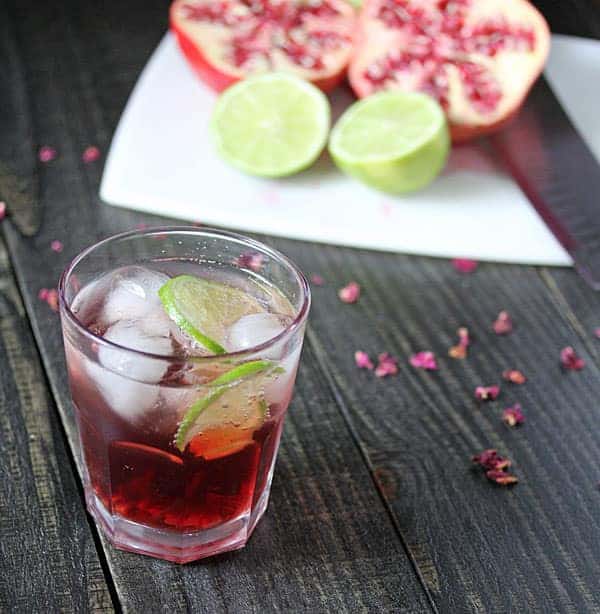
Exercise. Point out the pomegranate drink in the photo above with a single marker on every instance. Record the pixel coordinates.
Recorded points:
(181, 370)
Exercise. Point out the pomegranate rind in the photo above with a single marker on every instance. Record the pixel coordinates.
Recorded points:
(396, 142)
(205, 47)
(271, 125)
(427, 59)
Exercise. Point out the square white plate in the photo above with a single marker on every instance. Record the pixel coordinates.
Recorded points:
(161, 161)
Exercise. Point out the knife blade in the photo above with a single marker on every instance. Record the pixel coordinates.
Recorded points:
(558, 173)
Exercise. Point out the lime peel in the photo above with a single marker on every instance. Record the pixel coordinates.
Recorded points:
(221, 384)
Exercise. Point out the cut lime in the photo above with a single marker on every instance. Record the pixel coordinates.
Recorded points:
(271, 125)
(230, 412)
(393, 141)
(205, 309)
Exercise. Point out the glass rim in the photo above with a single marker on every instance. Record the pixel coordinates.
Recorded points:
(298, 320)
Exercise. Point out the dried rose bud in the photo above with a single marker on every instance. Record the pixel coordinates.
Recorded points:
(317, 280)
(349, 293)
(460, 350)
(490, 459)
(570, 360)
(2, 210)
(387, 365)
(90, 154)
(43, 294)
(46, 154)
(597, 332)
(513, 416)
(514, 376)
(249, 260)
(424, 360)
(487, 393)
(56, 246)
(52, 299)
(362, 360)
(503, 324)
(464, 265)
(501, 477)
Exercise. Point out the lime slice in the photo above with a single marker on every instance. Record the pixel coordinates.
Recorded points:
(393, 141)
(271, 125)
(230, 412)
(205, 309)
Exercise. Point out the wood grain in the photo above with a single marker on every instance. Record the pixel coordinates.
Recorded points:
(328, 541)
(478, 547)
(48, 557)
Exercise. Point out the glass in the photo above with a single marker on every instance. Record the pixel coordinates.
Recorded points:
(148, 491)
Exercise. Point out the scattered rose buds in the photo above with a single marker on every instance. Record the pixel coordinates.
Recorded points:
(490, 459)
(424, 360)
(250, 260)
(2, 210)
(503, 324)
(349, 293)
(514, 376)
(387, 365)
(46, 154)
(90, 154)
(460, 350)
(362, 360)
(464, 265)
(487, 393)
(513, 416)
(317, 280)
(570, 360)
(56, 246)
(495, 467)
(49, 296)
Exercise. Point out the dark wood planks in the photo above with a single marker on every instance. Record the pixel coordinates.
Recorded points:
(48, 559)
(328, 542)
(479, 548)
(476, 548)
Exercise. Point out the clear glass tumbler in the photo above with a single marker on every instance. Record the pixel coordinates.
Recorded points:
(178, 444)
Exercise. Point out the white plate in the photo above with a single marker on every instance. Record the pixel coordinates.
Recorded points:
(161, 161)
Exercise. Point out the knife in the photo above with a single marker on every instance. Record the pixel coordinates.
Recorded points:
(559, 175)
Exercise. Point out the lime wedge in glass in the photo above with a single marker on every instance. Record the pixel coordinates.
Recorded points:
(271, 125)
(393, 141)
(205, 309)
(225, 419)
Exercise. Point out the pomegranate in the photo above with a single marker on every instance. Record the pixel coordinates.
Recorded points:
(478, 58)
(227, 40)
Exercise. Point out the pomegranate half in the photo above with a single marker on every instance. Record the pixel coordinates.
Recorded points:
(478, 58)
(228, 40)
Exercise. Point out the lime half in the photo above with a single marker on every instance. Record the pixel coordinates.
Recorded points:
(271, 125)
(393, 141)
(205, 309)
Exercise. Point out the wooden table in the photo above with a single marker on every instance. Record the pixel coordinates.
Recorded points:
(375, 506)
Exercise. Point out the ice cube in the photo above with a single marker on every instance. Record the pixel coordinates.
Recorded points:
(252, 330)
(136, 335)
(133, 294)
(127, 381)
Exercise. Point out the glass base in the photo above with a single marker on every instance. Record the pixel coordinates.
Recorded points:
(176, 546)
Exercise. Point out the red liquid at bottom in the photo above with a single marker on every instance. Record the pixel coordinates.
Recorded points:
(136, 474)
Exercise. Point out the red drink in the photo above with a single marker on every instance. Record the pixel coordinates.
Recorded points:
(179, 444)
